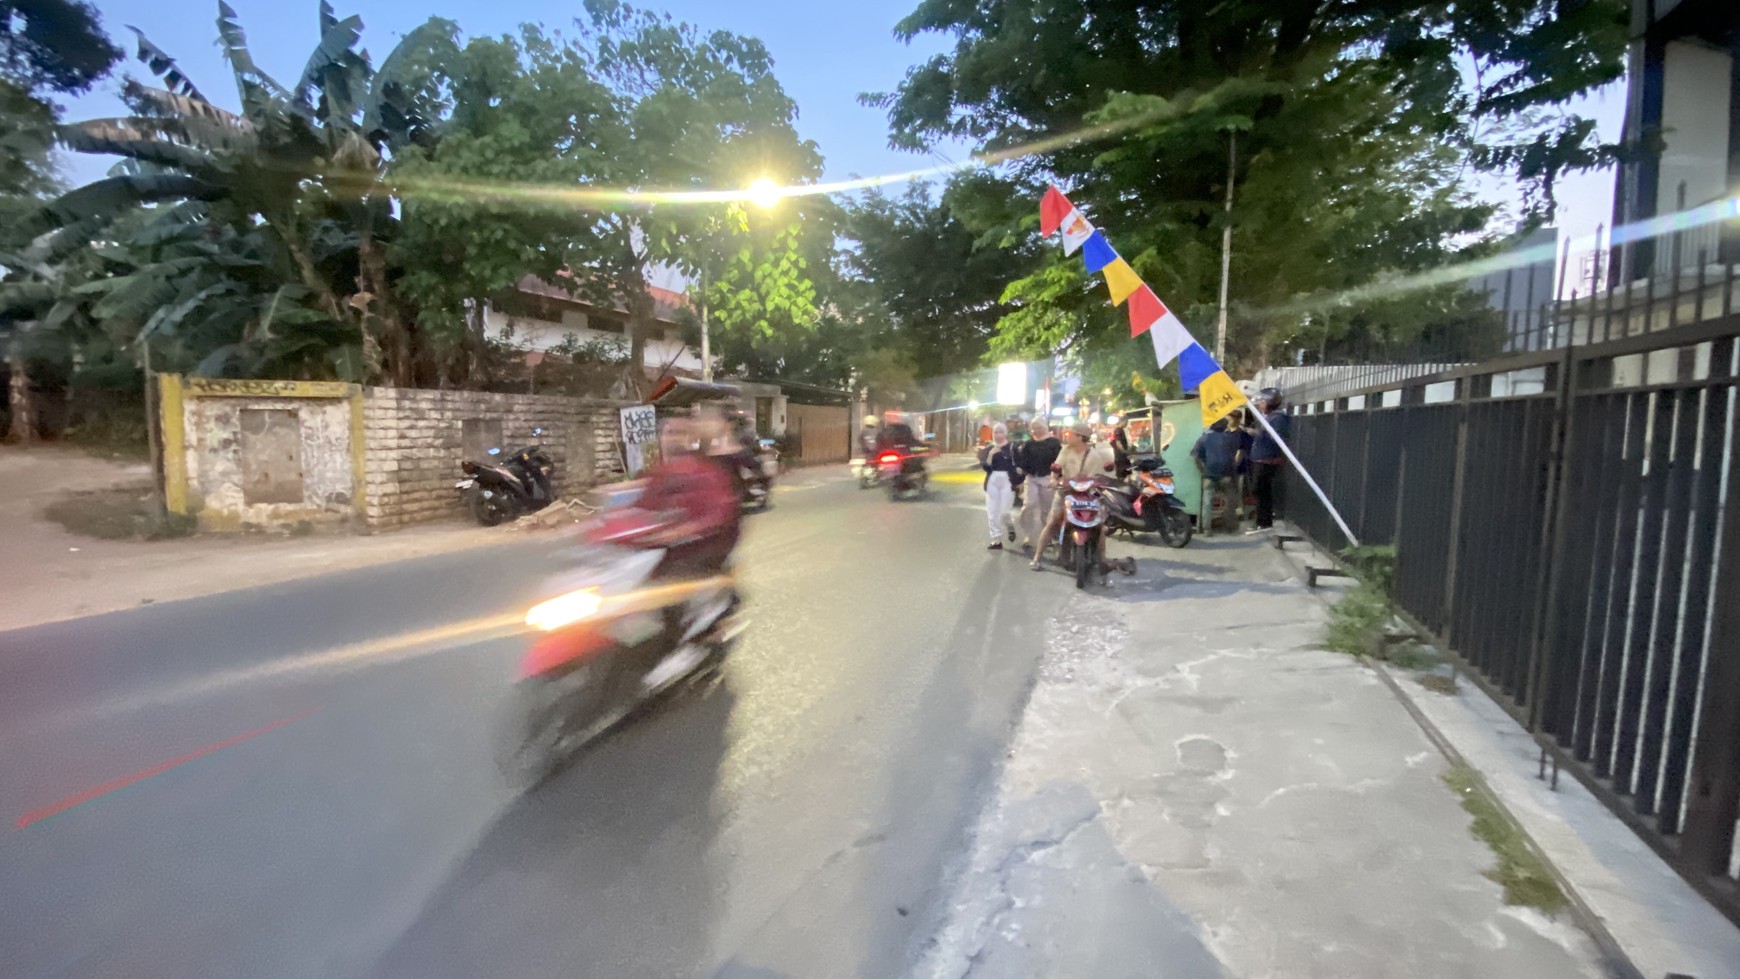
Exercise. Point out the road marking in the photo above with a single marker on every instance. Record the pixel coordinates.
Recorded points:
(115, 785)
(957, 477)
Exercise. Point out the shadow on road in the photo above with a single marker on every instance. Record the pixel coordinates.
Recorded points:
(546, 889)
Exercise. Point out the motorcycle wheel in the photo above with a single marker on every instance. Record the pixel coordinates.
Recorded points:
(1177, 528)
(1087, 561)
(550, 718)
(488, 510)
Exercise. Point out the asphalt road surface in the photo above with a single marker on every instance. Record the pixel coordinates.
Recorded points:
(300, 781)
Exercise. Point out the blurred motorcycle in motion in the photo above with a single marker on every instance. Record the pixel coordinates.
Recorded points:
(613, 635)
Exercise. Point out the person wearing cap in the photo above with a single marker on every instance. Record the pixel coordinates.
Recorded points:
(1266, 456)
(1081, 458)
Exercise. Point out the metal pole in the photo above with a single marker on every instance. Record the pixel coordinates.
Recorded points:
(1232, 156)
(1287, 451)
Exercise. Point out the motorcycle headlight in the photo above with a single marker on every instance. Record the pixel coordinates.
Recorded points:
(564, 610)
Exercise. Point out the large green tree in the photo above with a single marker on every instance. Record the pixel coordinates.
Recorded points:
(697, 112)
(47, 48)
(1348, 131)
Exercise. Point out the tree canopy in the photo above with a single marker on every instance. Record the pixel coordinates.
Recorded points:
(1350, 132)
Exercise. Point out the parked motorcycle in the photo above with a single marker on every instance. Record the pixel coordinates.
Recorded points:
(507, 487)
(608, 640)
(1148, 504)
(1081, 542)
(904, 472)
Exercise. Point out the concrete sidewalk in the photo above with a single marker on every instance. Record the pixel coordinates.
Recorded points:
(1197, 789)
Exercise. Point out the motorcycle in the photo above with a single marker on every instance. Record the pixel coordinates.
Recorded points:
(757, 479)
(506, 488)
(1081, 540)
(1148, 504)
(608, 640)
(904, 471)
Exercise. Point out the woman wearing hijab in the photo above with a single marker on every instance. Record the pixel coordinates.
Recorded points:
(1002, 475)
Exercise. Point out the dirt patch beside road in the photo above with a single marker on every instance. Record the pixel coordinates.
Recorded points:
(51, 573)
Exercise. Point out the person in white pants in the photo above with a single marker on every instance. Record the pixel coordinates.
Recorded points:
(1002, 475)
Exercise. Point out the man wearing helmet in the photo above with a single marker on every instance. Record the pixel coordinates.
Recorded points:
(1266, 456)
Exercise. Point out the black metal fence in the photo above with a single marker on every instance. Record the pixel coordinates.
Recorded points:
(1566, 525)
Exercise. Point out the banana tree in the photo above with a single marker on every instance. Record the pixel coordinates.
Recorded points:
(299, 168)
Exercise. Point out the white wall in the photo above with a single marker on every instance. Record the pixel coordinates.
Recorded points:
(538, 334)
(1694, 115)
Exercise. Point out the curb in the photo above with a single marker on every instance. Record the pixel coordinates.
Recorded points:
(1618, 964)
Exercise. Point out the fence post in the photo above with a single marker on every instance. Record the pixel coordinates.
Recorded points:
(1707, 841)
(1553, 540)
(1465, 387)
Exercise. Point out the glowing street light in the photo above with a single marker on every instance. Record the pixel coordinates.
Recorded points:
(765, 194)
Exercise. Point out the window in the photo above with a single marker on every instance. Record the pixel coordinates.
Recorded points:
(607, 324)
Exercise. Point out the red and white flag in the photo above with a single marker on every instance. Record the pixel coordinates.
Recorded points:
(1053, 208)
(1076, 230)
(1148, 314)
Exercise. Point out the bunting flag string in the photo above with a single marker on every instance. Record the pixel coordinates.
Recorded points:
(1196, 368)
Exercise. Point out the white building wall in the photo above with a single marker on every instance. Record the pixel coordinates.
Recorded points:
(540, 334)
(1694, 116)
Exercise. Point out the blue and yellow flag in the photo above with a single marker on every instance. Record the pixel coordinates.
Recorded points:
(1199, 372)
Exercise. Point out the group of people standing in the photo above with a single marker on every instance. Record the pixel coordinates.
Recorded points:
(1039, 465)
(1227, 455)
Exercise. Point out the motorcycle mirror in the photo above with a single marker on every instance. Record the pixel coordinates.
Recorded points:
(495, 452)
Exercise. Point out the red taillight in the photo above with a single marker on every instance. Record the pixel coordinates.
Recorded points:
(888, 457)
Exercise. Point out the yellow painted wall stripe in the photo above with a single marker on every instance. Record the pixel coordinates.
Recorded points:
(223, 387)
(358, 455)
(173, 423)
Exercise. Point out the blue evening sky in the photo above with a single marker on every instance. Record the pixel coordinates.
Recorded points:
(825, 55)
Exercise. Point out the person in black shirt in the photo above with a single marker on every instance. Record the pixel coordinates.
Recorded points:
(1034, 458)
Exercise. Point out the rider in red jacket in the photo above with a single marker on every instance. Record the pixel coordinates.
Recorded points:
(697, 495)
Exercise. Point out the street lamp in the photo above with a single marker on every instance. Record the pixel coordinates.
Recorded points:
(765, 194)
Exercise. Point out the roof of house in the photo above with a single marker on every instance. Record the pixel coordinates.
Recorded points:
(666, 302)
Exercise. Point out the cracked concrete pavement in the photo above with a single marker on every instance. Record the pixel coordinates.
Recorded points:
(1197, 790)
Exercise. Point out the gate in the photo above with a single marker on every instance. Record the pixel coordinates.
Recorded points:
(1566, 526)
(823, 433)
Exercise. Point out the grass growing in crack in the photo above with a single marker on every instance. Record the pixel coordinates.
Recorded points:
(1520, 871)
(1438, 683)
(1358, 623)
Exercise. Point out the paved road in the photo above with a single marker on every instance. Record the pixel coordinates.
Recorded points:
(298, 780)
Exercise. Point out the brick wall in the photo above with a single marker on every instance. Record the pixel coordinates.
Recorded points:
(413, 445)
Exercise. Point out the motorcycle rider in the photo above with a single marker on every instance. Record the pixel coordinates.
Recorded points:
(1080, 459)
(695, 496)
(868, 440)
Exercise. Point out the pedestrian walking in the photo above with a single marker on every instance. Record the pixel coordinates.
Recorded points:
(1002, 475)
(1266, 456)
(1035, 457)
